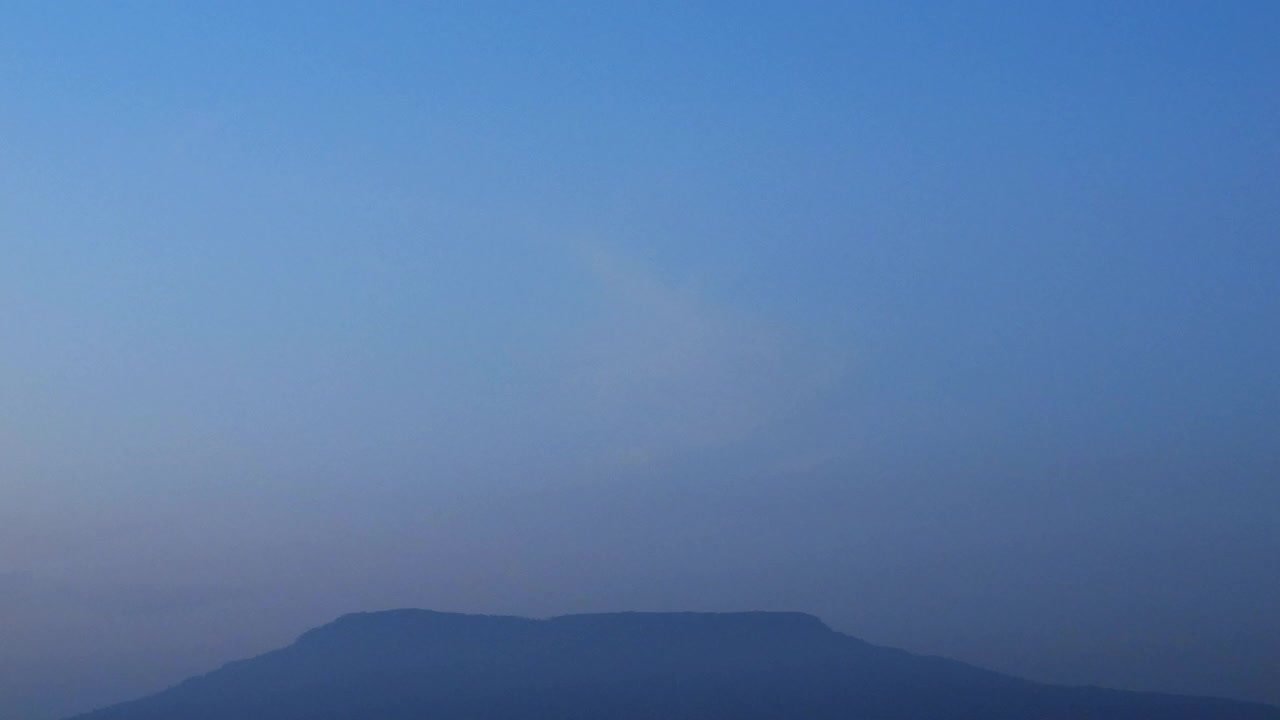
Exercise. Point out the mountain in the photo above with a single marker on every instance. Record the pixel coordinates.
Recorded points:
(420, 664)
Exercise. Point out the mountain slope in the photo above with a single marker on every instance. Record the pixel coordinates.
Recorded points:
(418, 664)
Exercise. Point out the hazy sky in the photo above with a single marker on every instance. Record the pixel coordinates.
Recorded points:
(956, 324)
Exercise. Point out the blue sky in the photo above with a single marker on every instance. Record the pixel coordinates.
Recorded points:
(954, 323)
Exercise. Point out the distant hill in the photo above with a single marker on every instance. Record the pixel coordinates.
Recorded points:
(418, 664)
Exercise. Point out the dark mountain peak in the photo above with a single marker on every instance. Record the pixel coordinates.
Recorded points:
(428, 625)
(410, 664)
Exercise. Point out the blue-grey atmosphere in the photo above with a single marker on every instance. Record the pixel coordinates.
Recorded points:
(956, 325)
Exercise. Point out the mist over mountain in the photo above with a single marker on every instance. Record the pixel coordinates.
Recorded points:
(748, 666)
(953, 323)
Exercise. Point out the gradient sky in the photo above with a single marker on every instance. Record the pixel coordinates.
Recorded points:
(955, 324)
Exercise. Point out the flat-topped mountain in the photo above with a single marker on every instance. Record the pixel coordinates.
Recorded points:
(418, 664)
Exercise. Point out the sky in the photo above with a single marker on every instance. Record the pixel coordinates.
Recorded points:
(954, 324)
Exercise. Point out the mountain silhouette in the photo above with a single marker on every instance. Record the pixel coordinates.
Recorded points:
(419, 664)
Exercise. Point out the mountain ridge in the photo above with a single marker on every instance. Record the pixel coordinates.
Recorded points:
(411, 663)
